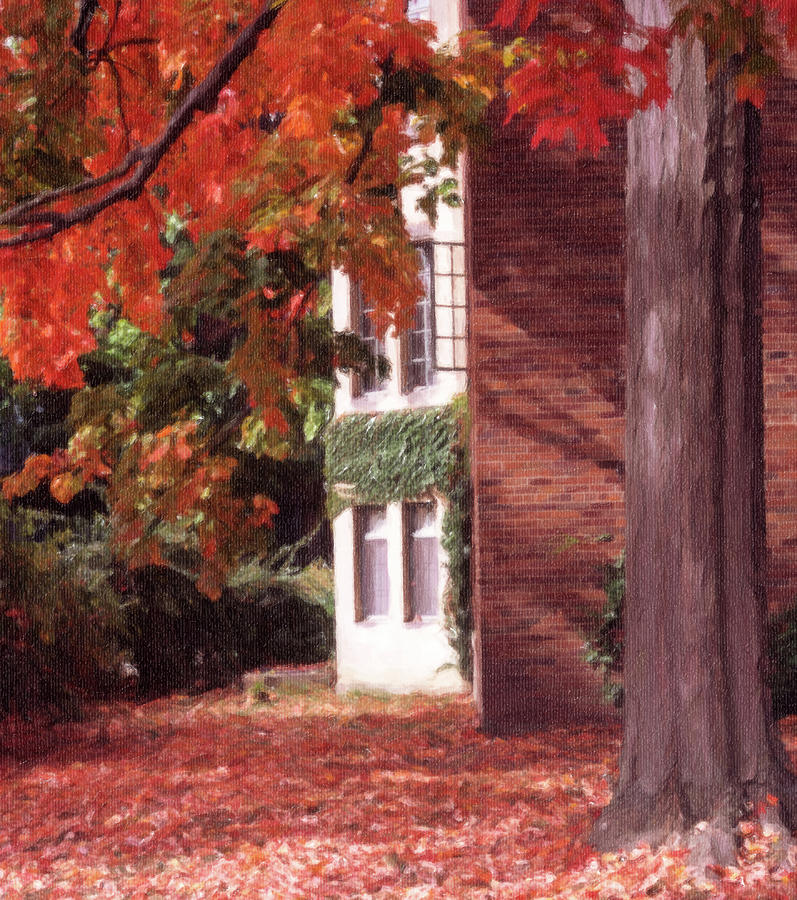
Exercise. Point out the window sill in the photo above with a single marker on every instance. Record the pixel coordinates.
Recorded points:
(423, 622)
(372, 621)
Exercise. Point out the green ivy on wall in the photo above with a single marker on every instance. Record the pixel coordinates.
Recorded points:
(400, 455)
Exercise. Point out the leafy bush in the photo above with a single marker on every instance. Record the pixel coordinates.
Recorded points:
(60, 622)
(181, 639)
(456, 541)
(74, 627)
(783, 659)
(605, 650)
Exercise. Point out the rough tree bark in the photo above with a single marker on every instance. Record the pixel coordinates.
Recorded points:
(700, 747)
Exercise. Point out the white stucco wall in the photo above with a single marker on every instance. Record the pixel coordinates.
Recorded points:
(385, 652)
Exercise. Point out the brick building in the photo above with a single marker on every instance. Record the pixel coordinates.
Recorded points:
(544, 235)
(546, 384)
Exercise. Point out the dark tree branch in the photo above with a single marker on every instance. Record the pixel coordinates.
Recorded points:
(143, 161)
(117, 79)
(19, 215)
(81, 29)
(357, 162)
(368, 131)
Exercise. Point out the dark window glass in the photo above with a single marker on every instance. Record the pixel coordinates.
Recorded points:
(361, 308)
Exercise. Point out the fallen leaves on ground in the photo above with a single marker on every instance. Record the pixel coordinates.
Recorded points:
(311, 795)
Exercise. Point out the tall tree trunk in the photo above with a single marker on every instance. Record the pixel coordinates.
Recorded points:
(699, 741)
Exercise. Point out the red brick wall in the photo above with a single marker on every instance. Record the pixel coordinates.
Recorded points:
(780, 339)
(546, 384)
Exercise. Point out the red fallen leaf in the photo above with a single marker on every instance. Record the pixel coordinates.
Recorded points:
(477, 876)
(579, 855)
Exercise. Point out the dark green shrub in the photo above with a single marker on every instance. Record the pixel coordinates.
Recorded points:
(783, 662)
(456, 542)
(293, 629)
(60, 622)
(179, 639)
(605, 650)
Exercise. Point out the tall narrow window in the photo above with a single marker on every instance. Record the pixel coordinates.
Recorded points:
(420, 339)
(371, 564)
(361, 309)
(422, 558)
(450, 306)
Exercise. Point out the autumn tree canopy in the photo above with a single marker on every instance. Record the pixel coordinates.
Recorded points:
(195, 172)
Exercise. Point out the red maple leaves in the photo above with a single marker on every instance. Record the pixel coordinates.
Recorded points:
(589, 62)
(279, 130)
(306, 794)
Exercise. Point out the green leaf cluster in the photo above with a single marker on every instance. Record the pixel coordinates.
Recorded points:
(61, 624)
(605, 650)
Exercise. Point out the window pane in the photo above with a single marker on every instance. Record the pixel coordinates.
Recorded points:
(460, 322)
(375, 599)
(445, 321)
(374, 584)
(418, 9)
(420, 346)
(459, 290)
(450, 301)
(458, 256)
(443, 290)
(442, 258)
(445, 353)
(460, 354)
(423, 560)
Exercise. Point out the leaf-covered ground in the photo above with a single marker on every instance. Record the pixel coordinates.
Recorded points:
(304, 794)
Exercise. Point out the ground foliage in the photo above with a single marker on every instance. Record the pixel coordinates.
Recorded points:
(301, 793)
